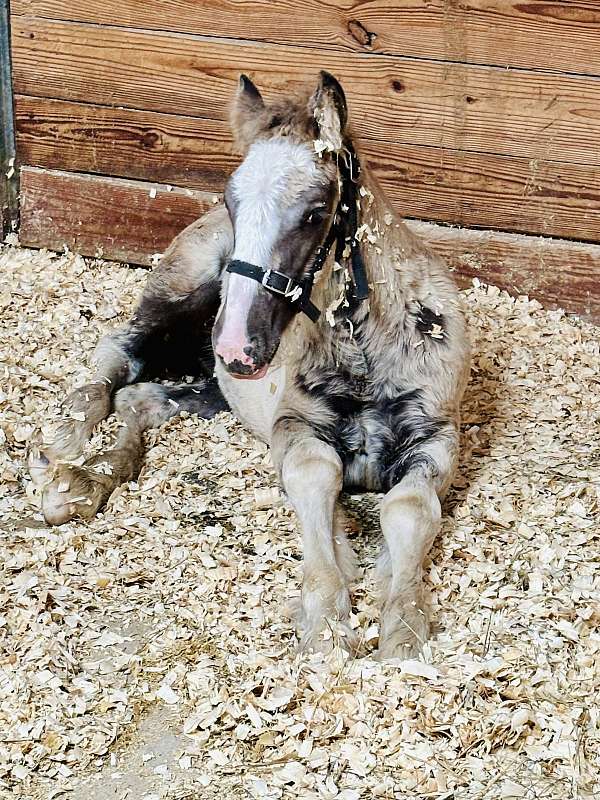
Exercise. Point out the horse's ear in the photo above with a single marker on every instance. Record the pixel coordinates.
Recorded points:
(329, 108)
(246, 110)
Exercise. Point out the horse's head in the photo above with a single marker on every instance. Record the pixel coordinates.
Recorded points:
(281, 201)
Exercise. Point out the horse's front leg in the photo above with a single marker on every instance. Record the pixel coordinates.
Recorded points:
(116, 366)
(410, 521)
(83, 490)
(311, 474)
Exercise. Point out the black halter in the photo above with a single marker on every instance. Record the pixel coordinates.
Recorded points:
(342, 232)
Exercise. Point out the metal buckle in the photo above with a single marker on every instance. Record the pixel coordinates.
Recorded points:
(275, 289)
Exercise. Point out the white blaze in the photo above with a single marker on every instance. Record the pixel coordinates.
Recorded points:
(267, 182)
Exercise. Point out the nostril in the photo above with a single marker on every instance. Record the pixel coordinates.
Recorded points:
(252, 348)
(231, 353)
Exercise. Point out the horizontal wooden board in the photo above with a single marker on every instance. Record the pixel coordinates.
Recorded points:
(529, 114)
(80, 137)
(483, 191)
(535, 34)
(118, 219)
(469, 189)
(559, 273)
(103, 217)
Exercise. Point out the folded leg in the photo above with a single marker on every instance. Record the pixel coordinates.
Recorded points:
(82, 491)
(167, 336)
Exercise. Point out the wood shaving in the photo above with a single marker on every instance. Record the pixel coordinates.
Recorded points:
(322, 146)
(436, 331)
(160, 626)
(364, 231)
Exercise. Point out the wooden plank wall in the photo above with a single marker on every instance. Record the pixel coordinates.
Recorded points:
(8, 194)
(482, 114)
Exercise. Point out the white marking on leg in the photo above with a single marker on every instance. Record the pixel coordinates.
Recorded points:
(410, 519)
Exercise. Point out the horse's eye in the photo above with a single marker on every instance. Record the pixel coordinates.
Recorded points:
(315, 217)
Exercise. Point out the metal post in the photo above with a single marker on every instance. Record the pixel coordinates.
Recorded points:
(8, 167)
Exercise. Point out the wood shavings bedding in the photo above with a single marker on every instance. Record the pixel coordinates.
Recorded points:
(169, 605)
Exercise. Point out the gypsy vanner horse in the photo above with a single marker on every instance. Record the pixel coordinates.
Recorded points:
(337, 337)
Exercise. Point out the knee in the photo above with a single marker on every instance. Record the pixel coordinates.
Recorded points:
(113, 361)
(412, 504)
(311, 464)
(144, 403)
(93, 399)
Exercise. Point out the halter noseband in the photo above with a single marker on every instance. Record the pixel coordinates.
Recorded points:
(342, 231)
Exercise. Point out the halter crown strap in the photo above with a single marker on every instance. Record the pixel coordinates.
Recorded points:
(342, 231)
(349, 198)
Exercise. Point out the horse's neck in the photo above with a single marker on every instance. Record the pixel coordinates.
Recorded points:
(389, 252)
(401, 272)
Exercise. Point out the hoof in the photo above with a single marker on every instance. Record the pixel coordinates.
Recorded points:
(331, 636)
(74, 492)
(398, 648)
(41, 468)
(403, 631)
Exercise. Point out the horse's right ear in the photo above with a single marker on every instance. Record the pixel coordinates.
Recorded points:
(328, 106)
(246, 111)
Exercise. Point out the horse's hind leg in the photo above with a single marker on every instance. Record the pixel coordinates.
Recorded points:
(82, 491)
(168, 333)
(86, 406)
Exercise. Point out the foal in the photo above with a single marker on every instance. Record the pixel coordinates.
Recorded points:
(363, 395)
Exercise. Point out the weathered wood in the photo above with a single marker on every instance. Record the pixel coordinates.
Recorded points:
(535, 115)
(118, 219)
(486, 191)
(103, 217)
(536, 34)
(469, 189)
(559, 273)
(8, 187)
(81, 137)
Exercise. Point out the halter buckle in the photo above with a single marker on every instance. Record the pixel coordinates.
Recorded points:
(277, 287)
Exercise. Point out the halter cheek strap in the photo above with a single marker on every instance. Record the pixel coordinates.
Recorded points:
(342, 231)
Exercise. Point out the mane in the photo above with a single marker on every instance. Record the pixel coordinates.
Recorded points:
(287, 116)
(401, 271)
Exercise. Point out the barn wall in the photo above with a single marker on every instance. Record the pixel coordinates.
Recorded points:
(8, 194)
(482, 114)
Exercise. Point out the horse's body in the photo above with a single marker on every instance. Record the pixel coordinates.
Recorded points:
(367, 397)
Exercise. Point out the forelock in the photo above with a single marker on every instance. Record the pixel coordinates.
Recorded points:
(275, 172)
(271, 178)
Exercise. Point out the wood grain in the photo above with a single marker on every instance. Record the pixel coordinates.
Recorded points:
(559, 273)
(103, 217)
(81, 137)
(534, 34)
(481, 191)
(536, 115)
(117, 219)
(469, 189)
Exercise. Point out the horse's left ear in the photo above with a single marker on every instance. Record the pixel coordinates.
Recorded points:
(329, 108)
(246, 112)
